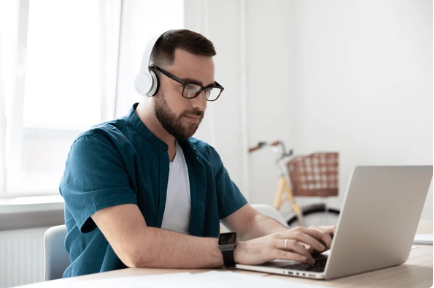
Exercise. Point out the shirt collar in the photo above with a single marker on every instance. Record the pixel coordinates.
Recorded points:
(141, 128)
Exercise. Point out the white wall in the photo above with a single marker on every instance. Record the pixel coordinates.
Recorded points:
(363, 83)
(347, 76)
(270, 83)
(222, 128)
(141, 20)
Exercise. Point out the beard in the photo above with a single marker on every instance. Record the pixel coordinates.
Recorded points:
(175, 125)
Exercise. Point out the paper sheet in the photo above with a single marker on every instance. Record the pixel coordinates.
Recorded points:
(212, 279)
(423, 239)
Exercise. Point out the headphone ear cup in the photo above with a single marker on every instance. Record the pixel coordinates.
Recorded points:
(142, 83)
(155, 84)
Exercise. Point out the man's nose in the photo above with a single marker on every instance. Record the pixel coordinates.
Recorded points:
(200, 101)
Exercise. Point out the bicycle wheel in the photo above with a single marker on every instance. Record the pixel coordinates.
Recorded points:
(318, 215)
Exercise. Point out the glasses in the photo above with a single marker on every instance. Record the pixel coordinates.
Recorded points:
(192, 90)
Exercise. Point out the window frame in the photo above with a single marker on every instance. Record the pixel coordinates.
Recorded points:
(16, 122)
(13, 181)
(2, 133)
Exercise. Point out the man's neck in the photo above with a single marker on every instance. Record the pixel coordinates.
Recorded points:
(146, 113)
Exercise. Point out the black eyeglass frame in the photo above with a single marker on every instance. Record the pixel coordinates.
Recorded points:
(173, 77)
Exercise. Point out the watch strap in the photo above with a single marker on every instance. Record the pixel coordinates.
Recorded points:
(228, 258)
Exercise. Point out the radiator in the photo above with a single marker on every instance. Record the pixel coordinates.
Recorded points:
(21, 257)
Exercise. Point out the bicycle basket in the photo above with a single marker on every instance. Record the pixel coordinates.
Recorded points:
(314, 175)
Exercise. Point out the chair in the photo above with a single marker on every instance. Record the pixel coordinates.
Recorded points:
(271, 212)
(56, 258)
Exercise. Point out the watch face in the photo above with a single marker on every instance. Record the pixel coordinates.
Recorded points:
(227, 238)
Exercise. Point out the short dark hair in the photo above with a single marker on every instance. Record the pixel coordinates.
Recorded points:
(164, 50)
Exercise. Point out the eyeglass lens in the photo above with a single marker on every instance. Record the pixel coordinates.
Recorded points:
(191, 90)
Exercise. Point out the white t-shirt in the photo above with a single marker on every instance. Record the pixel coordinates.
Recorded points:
(178, 202)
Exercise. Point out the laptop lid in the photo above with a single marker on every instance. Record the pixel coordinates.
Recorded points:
(379, 218)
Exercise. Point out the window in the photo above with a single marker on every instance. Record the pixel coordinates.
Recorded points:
(59, 66)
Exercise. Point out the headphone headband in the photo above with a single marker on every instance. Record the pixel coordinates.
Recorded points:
(147, 53)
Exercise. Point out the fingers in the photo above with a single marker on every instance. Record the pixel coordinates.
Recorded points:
(315, 233)
(301, 243)
(328, 232)
(305, 235)
(308, 248)
(294, 246)
(287, 255)
(330, 229)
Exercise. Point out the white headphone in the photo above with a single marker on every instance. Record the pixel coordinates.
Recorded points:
(146, 82)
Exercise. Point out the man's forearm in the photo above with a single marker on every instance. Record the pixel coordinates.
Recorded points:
(161, 248)
(262, 225)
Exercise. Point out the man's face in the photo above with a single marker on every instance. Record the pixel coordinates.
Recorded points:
(178, 115)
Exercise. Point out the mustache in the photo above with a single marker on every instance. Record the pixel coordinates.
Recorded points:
(195, 112)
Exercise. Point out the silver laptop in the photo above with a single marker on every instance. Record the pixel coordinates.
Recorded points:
(376, 226)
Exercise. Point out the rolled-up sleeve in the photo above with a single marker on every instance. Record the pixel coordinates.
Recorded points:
(95, 178)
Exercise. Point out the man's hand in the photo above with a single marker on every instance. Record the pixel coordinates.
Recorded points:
(329, 232)
(301, 243)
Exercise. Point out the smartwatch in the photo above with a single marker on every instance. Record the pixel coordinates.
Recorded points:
(227, 243)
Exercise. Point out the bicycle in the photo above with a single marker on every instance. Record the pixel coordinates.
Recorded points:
(306, 181)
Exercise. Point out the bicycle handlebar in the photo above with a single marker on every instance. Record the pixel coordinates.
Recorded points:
(257, 147)
(274, 144)
(252, 149)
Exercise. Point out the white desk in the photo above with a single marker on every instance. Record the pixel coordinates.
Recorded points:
(416, 272)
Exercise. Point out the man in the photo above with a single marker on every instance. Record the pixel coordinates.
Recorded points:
(141, 192)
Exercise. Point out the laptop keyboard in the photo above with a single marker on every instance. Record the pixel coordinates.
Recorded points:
(318, 266)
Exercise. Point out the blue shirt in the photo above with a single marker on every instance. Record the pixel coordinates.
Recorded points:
(122, 162)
